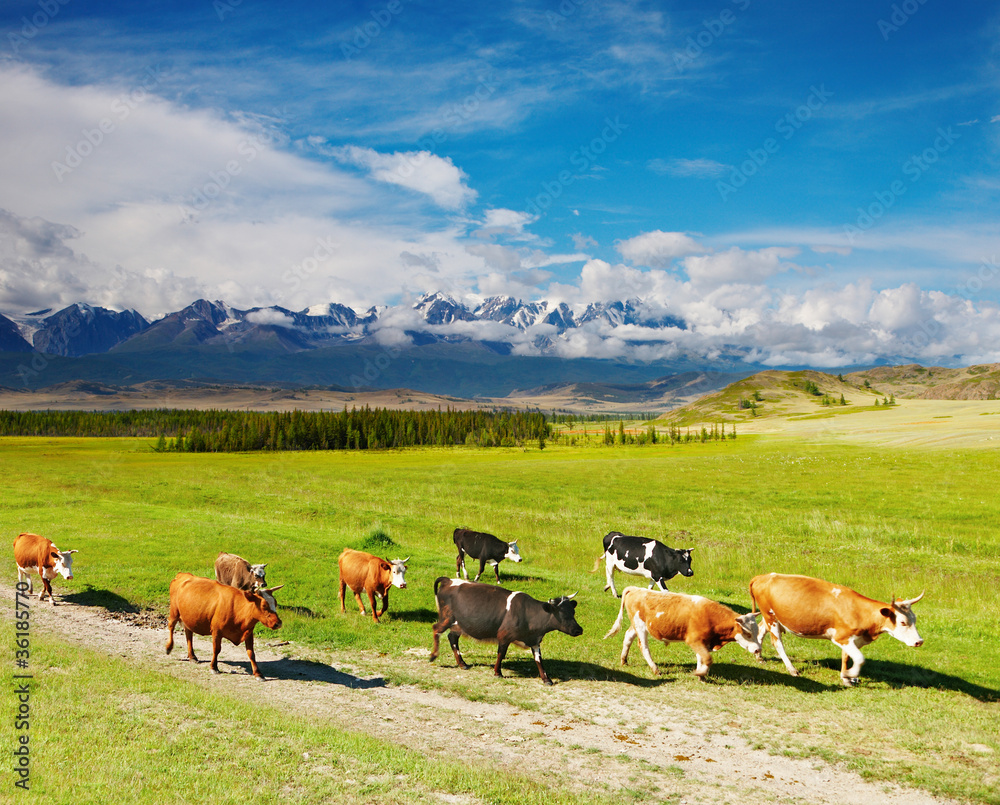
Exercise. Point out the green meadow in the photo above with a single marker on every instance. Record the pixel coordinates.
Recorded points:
(884, 521)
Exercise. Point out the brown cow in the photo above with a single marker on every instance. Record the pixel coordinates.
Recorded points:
(206, 607)
(364, 572)
(705, 625)
(33, 552)
(810, 607)
(238, 572)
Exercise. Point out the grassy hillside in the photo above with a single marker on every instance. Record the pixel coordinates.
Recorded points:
(980, 382)
(776, 394)
(882, 521)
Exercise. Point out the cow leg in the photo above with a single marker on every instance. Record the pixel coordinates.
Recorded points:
(444, 621)
(371, 600)
(253, 657)
(171, 623)
(361, 604)
(453, 639)
(627, 644)
(189, 636)
(643, 634)
(501, 653)
(343, 587)
(851, 650)
(496, 569)
(536, 652)
(216, 648)
(25, 576)
(609, 569)
(482, 567)
(460, 565)
(659, 583)
(704, 660)
(775, 631)
(46, 591)
(385, 602)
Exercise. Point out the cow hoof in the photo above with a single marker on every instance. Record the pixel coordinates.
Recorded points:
(260, 677)
(547, 682)
(848, 682)
(216, 671)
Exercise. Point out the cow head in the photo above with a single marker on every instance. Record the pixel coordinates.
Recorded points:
(562, 609)
(399, 572)
(512, 552)
(257, 571)
(901, 622)
(747, 633)
(685, 557)
(269, 607)
(63, 562)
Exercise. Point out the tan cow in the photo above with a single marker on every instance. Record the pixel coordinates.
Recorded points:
(703, 624)
(810, 607)
(35, 553)
(207, 607)
(363, 572)
(238, 572)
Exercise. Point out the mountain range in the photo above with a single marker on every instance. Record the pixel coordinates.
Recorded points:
(435, 344)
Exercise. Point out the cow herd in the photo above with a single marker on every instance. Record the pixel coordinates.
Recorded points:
(238, 599)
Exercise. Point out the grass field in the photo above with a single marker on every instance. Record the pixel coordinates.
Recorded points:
(884, 521)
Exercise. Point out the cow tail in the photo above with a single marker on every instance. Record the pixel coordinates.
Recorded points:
(618, 623)
(597, 563)
(437, 583)
(753, 601)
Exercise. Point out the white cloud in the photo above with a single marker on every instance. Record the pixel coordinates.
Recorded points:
(420, 171)
(657, 249)
(270, 316)
(683, 168)
(737, 265)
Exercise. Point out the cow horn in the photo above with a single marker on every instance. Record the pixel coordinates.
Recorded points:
(568, 597)
(407, 559)
(911, 601)
(272, 589)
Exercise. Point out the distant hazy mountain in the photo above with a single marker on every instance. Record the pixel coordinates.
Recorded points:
(11, 339)
(435, 344)
(79, 329)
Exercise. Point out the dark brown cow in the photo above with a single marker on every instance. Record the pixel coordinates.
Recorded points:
(207, 607)
(363, 572)
(36, 553)
(703, 624)
(810, 607)
(238, 572)
(491, 613)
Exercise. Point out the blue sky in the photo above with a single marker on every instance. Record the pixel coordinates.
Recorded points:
(816, 182)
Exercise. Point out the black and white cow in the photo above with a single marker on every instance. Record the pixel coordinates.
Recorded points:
(484, 547)
(642, 557)
(491, 613)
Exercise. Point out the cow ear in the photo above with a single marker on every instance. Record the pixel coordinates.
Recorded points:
(889, 613)
(547, 606)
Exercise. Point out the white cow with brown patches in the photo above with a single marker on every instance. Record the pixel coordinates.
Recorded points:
(705, 625)
(814, 608)
(34, 553)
